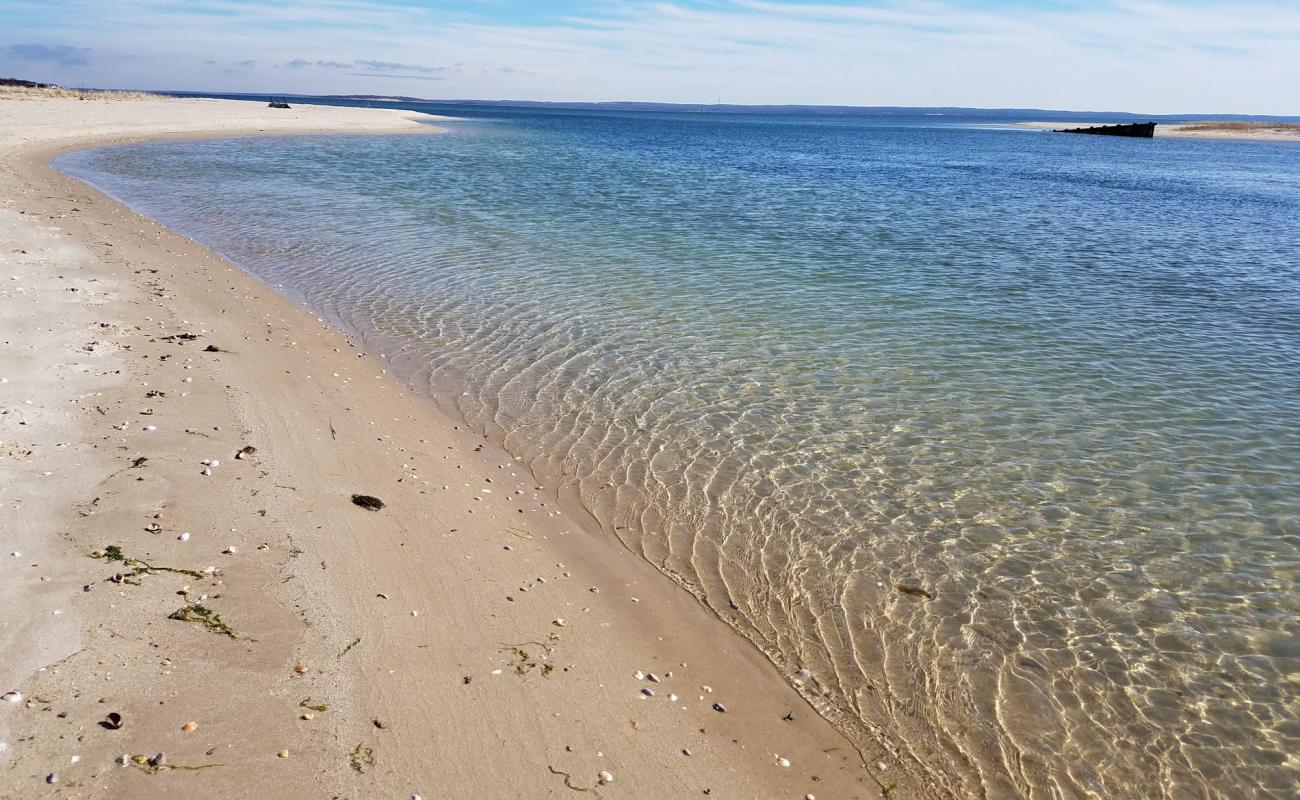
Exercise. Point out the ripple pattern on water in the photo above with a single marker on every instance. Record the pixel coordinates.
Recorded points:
(799, 363)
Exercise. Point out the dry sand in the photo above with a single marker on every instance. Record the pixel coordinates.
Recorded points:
(1282, 132)
(470, 639)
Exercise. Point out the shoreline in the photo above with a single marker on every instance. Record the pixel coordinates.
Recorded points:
(1184, 130)
(442, 686)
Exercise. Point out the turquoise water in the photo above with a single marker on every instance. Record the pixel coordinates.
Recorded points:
(797, 362)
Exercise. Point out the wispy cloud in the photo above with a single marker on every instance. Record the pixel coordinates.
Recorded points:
(59, 54)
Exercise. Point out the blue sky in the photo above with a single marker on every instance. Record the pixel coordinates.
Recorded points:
(1156, 56)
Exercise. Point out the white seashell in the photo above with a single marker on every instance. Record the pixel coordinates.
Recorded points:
(416, 797)
(605, 776)
(653, 678)
(123, 760)
(214, 463)
(415, 613)
(239, 456)
(206, 471)
(184, 537)
(12, 697)
(803, 674)
(639, 675)
(151, 427)
(810, 797)
(782, 761)
(648, 692)
(231, 550)
(706, 689)
(672, 698)
(686, 751)
(16, 554)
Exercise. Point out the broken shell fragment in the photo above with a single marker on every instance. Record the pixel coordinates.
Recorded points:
(782, 761)
(153, 527)
(123, 760)
(158, 760)
(12, 697)
(283, 754)
(560, 622)
(803, 674)
(113, 721)
(647, 691)
(184, 537)
(53, 777)
(189, 726)
(300, 668)
(653, 678)
(605, 776)
(231, 550)
(720, 708)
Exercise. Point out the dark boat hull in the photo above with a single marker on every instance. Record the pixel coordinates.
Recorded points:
(1137, 130)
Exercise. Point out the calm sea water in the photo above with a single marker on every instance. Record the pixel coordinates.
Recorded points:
(800, 362)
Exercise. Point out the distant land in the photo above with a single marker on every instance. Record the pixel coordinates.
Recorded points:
(726, 108)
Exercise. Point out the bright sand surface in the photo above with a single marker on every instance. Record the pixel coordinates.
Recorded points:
(1286, 132)
(470, 639)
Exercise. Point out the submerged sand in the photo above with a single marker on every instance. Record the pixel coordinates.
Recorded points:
(469, 639)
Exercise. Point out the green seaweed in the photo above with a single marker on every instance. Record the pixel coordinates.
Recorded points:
(361, 757)
(306, 703)
(354, 643)
(193, 612)
(141, 567)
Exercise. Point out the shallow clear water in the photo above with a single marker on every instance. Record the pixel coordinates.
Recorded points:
(798, 362)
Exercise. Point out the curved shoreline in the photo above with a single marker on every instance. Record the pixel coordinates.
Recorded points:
(327, 423)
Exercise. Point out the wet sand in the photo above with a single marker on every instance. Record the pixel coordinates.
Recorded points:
(470, 638)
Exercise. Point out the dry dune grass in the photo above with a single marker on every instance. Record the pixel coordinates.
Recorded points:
(59, 92)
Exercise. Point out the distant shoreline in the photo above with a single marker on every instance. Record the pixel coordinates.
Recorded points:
(1207, 129)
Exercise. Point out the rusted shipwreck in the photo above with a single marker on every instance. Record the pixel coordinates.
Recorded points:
(1137, 130)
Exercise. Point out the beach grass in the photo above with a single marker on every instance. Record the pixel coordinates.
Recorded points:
(63, 93)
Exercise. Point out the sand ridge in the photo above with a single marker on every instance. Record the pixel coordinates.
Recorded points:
(468, 639)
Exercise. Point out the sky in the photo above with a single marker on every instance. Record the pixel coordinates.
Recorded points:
(1145, 56)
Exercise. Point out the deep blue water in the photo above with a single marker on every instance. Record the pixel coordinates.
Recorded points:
(798, 361)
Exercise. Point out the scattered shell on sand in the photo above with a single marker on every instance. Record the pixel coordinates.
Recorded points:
(653, 678)
(210, 462)
(720, 708)
(113, 720)
(206, 471)
(300, 668)
(283, 754)
(803, 674)
(647, 691)
(53, 777)
(184, 537)
(12, 697)
(123, 760)
(308, 716)
(189, 726)
(153, 527)
(560, 622)
(151, 427)
(639, 675)
(158, 760)
(706, 689)
(672, 698)
(782, 761)
(605, 776)
(231, 550)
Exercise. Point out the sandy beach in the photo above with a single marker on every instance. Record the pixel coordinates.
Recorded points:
(1251, 132)
(181, 553)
